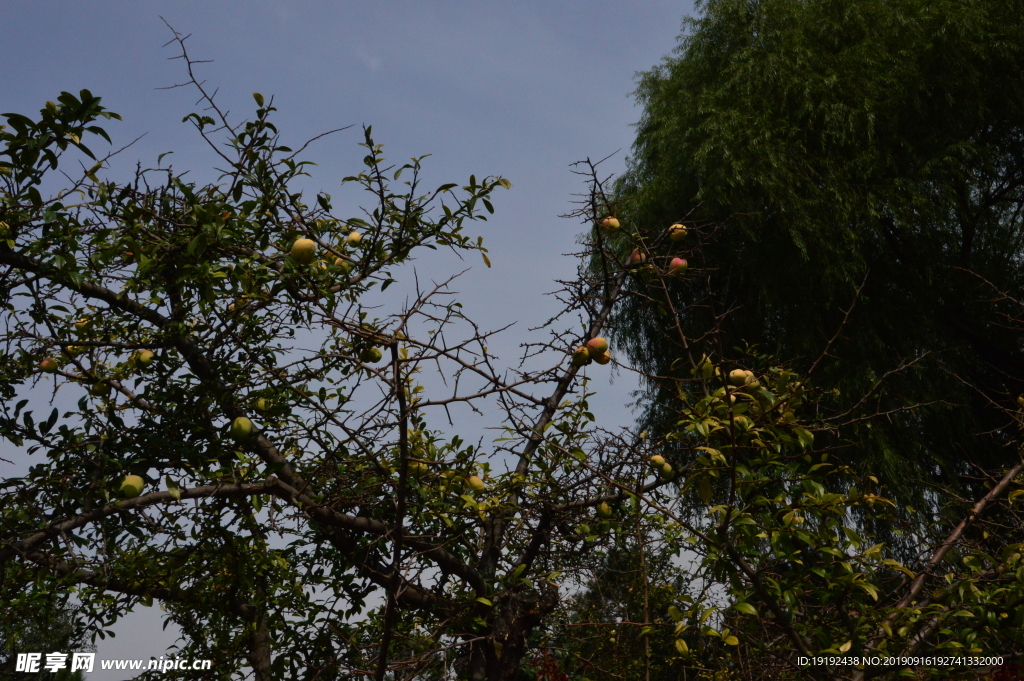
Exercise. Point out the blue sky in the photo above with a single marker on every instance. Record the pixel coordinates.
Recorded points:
(514, 89)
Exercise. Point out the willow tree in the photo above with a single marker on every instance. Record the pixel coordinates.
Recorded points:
(848, 146)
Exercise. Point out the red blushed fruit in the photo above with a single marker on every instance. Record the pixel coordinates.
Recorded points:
(596, 346)
(49, 365)
(677, 265)
(637, 257)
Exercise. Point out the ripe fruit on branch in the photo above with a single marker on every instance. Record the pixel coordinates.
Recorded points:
(740, 377)
(131, 486)
(597, 345)
(304, 251)
(667, 472)
(581, 356)
(604, 510)
(371, 355)
(677, 232)
(263, 404)
(49, 365)
(637, 257)
(677, 265)
(354, 238)
(610, 225)
(603, 358)
(241, 429)
(418, 469)
(476, 484)
(657, 461)
(144, 358)
(342, 263)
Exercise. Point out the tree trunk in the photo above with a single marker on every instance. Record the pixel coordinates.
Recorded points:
(516, 613)
(259, 649)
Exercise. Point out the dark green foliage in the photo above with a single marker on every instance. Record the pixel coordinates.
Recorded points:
(620, 626)
(31, 624)
(841, 142)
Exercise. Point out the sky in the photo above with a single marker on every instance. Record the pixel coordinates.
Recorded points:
(520, 90)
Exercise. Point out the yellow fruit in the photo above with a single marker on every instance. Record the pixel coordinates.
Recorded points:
(604, 510)
(740, 376)
(418, 469)
(581, 356)
(354, 238)
(371, 355)
(597, 345)
(49, 365)
(144, 358)
(610, 224)
(476, 484)
(241, 429)
(657, 461)
(666, 471)
(83, 325)
(263, 404)
(677, 232)
(603, 358)
(342, 263)
(304, 251)
(131, 486)
(637, 257)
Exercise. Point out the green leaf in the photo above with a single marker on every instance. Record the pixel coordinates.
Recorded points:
(172, 488)
(746, 608)
(871, 589)
(704, 490)
(805, 437)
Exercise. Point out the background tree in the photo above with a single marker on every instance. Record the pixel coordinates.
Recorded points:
(33, 624)
(848, 145)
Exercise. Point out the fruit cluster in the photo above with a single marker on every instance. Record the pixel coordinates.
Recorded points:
(596, 350)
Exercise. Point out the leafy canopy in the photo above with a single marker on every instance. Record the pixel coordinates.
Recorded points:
(847, 145)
